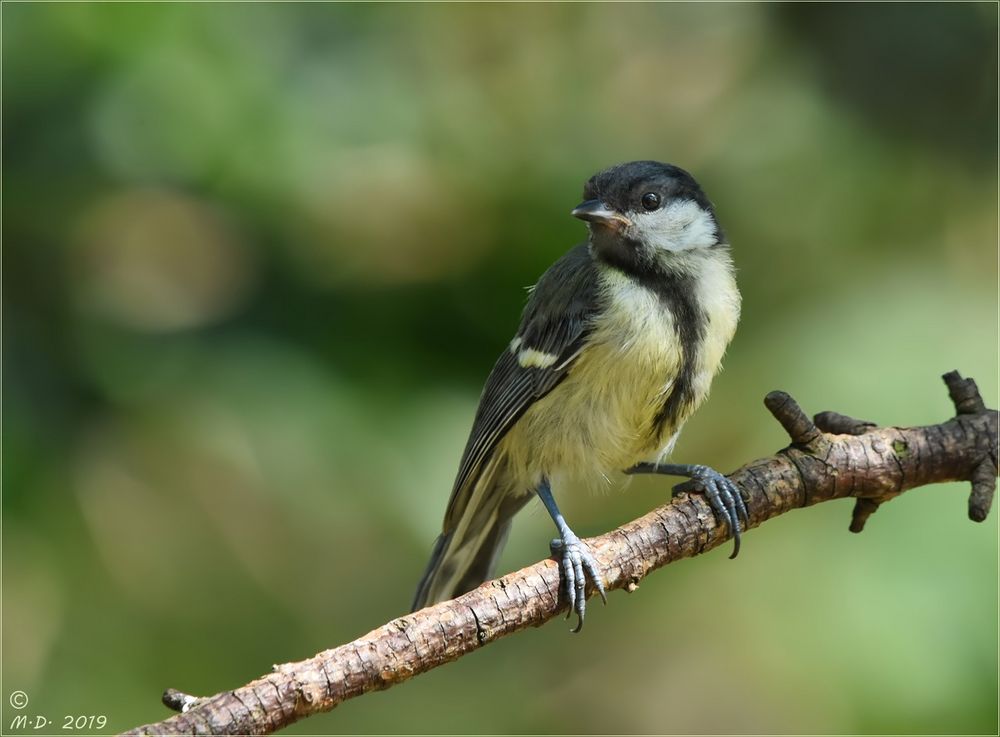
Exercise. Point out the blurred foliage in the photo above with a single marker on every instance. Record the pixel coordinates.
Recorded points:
(258, 259)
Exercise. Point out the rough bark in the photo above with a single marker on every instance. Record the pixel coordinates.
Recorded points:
(831, 457)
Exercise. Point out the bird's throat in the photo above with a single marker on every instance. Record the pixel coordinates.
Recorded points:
(614, 249)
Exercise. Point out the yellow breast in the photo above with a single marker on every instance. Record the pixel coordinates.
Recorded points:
(602, 418)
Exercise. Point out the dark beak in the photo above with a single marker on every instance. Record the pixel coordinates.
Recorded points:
(595, 211)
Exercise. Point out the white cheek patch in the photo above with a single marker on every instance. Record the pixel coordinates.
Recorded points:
(680, 226)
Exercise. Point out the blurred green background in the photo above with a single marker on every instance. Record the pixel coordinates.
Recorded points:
(258, 259)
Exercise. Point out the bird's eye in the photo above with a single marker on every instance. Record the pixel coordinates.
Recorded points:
(651, 200)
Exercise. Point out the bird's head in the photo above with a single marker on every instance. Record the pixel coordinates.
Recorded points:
(643, 213)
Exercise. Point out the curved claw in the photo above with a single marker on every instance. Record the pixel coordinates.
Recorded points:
(724, 497)
(741, 506)
(577, 565)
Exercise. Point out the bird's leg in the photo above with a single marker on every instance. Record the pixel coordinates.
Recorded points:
(722, 493)
(576, 561)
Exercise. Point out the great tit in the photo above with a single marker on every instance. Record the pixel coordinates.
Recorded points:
(617, 346)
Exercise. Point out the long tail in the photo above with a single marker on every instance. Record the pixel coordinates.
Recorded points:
(466, 553)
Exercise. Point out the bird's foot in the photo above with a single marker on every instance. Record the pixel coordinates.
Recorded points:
(722, 494)
(577, 564)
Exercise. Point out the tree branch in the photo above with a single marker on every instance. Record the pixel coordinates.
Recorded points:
(831, 457)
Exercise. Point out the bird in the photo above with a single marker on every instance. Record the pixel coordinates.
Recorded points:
(617, 346)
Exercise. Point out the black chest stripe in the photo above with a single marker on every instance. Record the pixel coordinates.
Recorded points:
(677, 292)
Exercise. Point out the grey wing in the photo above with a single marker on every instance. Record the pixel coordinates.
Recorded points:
(552, 333)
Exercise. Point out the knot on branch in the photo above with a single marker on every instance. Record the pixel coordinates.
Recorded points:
(799, 427)
(178, 700)
(863, 509)
(810, 436)
(964, 393)
(968, 401)
(838, 424)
